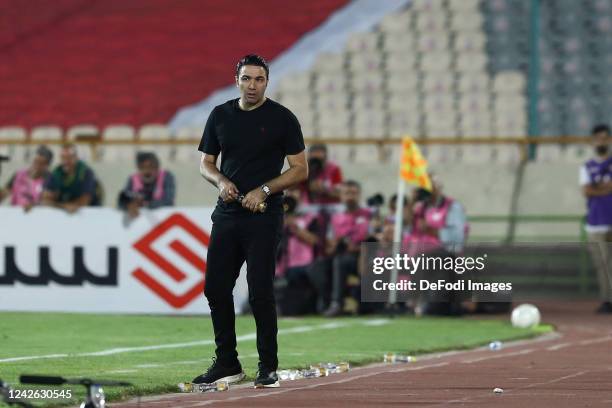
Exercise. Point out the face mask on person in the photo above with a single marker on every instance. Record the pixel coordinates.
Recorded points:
(601, 150)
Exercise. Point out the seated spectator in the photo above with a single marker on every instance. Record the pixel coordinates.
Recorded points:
(406, 213)
(438, 219)
(439, 229)
(150, 187)
(72, 184)
(324, 178)
(348, 230)
(26, 185)
(297, 293)
(296, 250)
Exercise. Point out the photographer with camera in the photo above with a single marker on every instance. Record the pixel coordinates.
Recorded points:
(347, 231)
(297, 293)
(26, 186)
(150, 187)
(324, 178)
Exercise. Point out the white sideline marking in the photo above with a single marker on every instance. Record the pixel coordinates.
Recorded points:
(556, 380)
(308, 387)
(560, 346)
(491, 357)
(108, 352)
(376, 322)
(594, 341)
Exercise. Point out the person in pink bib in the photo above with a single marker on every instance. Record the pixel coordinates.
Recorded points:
(26, 185)
(150, 187)
(348, 229)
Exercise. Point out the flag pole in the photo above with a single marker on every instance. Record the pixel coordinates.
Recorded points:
(397, 233)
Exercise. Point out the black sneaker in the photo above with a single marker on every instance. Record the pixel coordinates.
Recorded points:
(266, 378)
(217, 372)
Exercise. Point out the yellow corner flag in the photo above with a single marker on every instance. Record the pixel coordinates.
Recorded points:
(413, 166)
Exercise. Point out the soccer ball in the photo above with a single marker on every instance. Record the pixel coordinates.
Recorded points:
(525, 315)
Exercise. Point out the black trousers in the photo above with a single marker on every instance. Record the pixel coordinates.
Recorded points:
(234, 240)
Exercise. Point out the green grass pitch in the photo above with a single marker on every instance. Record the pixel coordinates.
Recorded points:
(302, 342)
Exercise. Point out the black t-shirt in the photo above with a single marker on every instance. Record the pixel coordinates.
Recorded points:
(253, 145)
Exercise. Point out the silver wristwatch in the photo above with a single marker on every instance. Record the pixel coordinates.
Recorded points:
(266, 190)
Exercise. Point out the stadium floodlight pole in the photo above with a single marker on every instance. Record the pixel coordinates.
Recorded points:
(397, 233)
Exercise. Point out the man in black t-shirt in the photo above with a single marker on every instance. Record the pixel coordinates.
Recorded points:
(253, 135)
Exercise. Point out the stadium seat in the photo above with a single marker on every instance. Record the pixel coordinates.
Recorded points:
(476, 153)
(438, 83)
(428, 6)
(474, 103)
(439, 104)
(330, 101)
(476, 82)
(512, 82)
(187, 152)
(88, 131)
(464, 5)
(403, 122)
(367, 154)
(466, 21)
(439, 62)
(469, 42)
(404, 102)
(472, 62)
(369, 124)
(367, 82)
(363, 42)
(476, 125)
(442, 154)
(299, 82)
(399, 43)
(368, 63)
(341, 153)
(440, 129)
(431, 22)
(363, 101)
(400, 62)
(397, 22)
(329, 63)
(14, 151)
(44, 134)
(433, 42)
(153, 134)
(118, 152)
(330, 83)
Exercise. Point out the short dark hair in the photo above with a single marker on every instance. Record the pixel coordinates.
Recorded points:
(602, 127)
(253, 59)
(393, 199)
(142, 157)
(45, 152)
(318, 147)
(352, 183)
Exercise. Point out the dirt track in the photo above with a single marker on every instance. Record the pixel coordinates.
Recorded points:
(571, 368)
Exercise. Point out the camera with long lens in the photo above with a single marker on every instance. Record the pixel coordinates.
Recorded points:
(422, 195)
(127, 196)
(315, 168)
(375, 201)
